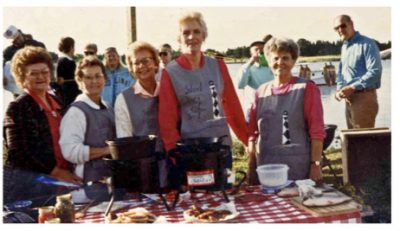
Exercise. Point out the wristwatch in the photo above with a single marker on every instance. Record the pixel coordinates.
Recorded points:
(317, 162)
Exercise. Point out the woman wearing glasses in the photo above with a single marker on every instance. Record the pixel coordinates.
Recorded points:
(286, 118)
(136, 108)
(31, 128)
(86, 127)
(197, 97)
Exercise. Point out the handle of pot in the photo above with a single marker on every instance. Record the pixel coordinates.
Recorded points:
(237, 187)
(220, 139)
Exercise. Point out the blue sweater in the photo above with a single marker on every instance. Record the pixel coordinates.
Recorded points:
(117, 81)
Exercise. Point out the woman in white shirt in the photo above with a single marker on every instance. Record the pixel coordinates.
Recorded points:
(136, 108)
(86, 127)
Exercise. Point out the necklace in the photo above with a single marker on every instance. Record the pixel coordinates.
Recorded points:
(54, 114)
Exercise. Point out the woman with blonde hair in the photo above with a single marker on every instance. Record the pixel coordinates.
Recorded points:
(136, 108)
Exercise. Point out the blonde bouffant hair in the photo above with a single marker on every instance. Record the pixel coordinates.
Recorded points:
(137, 46)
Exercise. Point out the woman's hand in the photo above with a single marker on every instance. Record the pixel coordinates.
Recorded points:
(95, 153)
(316, 174)
(65, 175)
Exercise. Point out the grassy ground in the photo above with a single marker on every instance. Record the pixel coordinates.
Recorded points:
(334, 156)
(313, 59)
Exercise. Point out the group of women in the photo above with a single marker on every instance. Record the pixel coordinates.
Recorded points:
(194, 98)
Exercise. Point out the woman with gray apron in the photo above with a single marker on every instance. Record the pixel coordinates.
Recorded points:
(197, 97)
(86, 127)
(286, 119)
(136, 108)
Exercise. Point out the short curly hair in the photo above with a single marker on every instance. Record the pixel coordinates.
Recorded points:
(282, 44)
(88, 61)
(27, 56)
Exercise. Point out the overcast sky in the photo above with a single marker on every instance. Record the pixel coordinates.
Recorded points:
(229, 27)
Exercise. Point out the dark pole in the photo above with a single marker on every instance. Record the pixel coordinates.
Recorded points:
(131, 24)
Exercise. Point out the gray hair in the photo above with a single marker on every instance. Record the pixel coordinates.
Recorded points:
(282, 44)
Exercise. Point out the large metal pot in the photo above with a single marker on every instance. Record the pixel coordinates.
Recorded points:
(134, 164)
(132, 148)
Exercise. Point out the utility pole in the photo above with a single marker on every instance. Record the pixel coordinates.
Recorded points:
(131, 24)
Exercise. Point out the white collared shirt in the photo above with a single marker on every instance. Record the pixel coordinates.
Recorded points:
(72, 137)
(72, 134)
(62, 55)
(123, 122)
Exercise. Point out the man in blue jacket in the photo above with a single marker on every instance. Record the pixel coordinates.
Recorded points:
(359, 74)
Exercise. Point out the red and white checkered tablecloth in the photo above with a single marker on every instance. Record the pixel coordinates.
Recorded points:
(271, 209)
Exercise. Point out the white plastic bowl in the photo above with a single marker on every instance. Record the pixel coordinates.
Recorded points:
(272, 175)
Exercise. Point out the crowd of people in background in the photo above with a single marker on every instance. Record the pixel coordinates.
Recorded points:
(62, 116)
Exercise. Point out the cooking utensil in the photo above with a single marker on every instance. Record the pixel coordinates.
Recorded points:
(80, 213)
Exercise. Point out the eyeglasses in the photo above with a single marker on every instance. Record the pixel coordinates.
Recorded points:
(145, 61)
(89, 52)
(341, 26)
(37, 73)
(97, 77)
(163, 53)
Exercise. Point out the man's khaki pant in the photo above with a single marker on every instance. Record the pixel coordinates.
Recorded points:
(361, 109)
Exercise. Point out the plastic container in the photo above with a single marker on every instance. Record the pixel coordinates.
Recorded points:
(272, 175)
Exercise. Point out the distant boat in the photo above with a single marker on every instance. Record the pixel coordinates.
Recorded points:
(386, 54)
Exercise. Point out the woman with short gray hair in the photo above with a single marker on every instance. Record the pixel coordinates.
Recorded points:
(286, 118)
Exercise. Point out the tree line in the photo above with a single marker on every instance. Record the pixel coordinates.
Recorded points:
(307, 48)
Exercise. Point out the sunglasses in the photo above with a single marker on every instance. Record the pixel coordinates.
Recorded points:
(341, 26)
(89, 52)
(163, 53)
